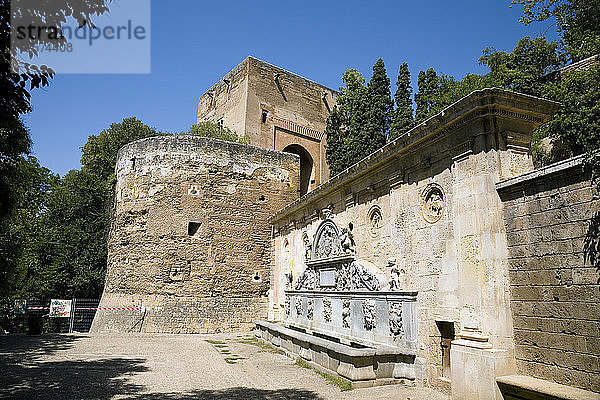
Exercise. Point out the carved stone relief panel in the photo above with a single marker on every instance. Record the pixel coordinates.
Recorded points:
(327, 241)
(310, 308)
(354, 276)
(307, 280)
(368, 308)
(327, 309)
(375, 220)
(395, 319)
(298, 306)
(433, 203)
(286, 307)
(346, 313)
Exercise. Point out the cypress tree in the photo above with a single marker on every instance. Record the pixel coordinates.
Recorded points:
(403, 118)
(428, 95)
(379, 110)
(345, 125)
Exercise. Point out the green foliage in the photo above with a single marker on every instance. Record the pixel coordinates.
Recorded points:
(70, 250)
(18, 233)
(428, 90)
(578, 121)
(359, 123)
(522, 70)
(380, 109)
(578, 22)
(15, 89)
(100, 151)
(212, 130)
(345, 122)
(403, 118)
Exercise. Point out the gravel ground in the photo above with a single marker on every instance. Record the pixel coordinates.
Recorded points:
(101, 366)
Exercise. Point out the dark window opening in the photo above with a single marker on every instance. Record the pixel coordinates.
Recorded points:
(193, 228)
(264, 117)
(220, 123)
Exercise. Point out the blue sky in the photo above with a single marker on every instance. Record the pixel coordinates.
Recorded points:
(194, 43)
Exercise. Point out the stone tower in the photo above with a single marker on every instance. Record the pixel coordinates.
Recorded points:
(276, 110)
(189, 245)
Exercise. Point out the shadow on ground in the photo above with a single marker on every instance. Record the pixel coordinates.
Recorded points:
(234, 393)
(25, 374)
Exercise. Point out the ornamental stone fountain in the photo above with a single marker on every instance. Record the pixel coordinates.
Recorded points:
(342, 314)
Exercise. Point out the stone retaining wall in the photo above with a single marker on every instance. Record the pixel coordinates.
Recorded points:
(550, 216)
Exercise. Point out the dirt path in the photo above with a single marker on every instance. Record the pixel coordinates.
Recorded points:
(61, 367)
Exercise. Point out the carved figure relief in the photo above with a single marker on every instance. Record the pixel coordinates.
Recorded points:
(375, 220)
(298, 306)
(307, 246)
(368, 308)
(346, 313)
(327, 212)
(327, 309)
(433, 203)
(347, 240)
(395, 319)
(307, 280)
(354, 276)
(395, 279)
(289, 279)
(310, 308)
(286, 307)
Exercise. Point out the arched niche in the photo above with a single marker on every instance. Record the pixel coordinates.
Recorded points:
(306, 166)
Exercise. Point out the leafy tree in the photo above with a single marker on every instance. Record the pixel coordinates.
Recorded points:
(403, 118)
(21, 230)
(100, 151)
(576, 127)
(69, 253)
(212, 130)
(15, 88)
(359, 123)
(578, 22)
(379, 109)
(523, 69)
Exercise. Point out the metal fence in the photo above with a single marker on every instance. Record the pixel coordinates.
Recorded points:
(80, 319)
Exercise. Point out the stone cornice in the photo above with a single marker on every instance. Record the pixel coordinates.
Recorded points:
(298, 129)
(478, 104)
(558, 167)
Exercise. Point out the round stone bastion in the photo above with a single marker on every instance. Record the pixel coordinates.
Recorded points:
(189, 245)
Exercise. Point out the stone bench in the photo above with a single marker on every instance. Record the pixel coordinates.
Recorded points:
(364, 365)
(521, 387)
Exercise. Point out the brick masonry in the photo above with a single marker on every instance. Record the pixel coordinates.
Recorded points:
(189, 239)
(550, 215)
(276, 109)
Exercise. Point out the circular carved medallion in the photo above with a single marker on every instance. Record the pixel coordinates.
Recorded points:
(433, 202)
(375, 220)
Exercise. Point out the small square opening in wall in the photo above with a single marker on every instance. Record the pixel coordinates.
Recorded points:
(193, 228)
